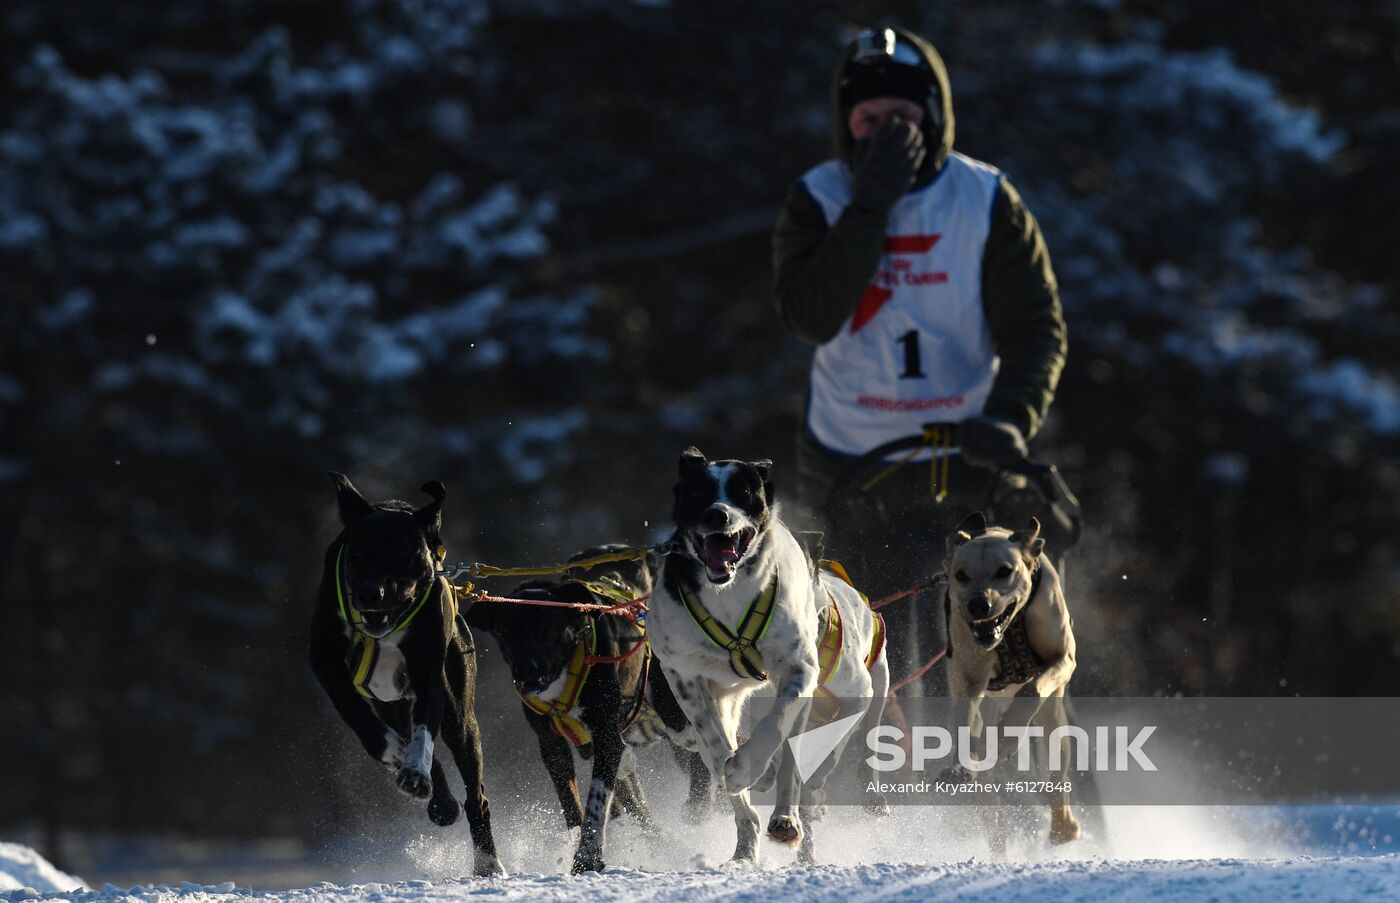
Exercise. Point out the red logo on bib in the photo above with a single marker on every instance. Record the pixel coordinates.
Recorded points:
(874, 296)
(871, 301)
(910, 244)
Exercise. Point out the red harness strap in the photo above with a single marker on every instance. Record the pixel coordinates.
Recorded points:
(641, 693)
(632, 609)
(615, 659)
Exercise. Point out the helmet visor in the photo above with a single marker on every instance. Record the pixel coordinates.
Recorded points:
(884, 64)
(881, 45)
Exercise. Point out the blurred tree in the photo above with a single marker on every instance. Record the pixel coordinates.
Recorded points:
(522, 247)
(230, 268)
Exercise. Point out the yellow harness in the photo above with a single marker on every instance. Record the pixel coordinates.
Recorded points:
(745, 660)
(557, 710)
(364, 649)
(832, 643)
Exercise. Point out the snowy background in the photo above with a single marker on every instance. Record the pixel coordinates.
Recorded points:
(522, 247)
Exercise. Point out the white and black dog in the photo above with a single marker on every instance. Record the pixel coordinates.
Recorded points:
(395, 656)
(738, 606)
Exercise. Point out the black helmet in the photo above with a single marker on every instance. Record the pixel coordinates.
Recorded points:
(883, 63)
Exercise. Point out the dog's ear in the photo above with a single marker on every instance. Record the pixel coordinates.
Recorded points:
(975, 524)
(353, 506)
(972, 526)
(691, 461)
(1030, 540)
(764, 468)
(429, 517)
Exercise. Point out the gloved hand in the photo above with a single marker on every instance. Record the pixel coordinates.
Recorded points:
(887, 165)
(991, 442)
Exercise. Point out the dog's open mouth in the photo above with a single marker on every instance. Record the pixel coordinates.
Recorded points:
(989, 631)
(721, 552)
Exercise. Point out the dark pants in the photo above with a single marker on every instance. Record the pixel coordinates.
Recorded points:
(891, 537)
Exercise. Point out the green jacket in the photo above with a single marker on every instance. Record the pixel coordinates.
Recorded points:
(820, 272)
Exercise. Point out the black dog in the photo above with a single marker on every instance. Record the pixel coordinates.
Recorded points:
(587, 678)
(395, 656)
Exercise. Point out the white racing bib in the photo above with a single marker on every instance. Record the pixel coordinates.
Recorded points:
(917, 349)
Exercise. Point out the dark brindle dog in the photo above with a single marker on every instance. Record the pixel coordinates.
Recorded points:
(395, 656)
(587, 679)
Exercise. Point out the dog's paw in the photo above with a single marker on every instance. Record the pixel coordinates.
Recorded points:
(769, 779)
(729, 775)
(785, 829)
(875, 805)
(738, 773)
(415, 783)
(591, 861)
(1064, 827)
(743, 860)
(487, 865)
(443, 810)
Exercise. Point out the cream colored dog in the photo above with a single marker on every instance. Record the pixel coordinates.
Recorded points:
(1010, 637)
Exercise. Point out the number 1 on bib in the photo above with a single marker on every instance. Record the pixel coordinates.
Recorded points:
(913, 368)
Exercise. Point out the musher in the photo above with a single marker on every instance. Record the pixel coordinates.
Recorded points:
(926, 285)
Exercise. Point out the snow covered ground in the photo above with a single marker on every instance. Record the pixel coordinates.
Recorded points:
(1162, 853)
(1357, 878)
(21, 867)
(1159, 880)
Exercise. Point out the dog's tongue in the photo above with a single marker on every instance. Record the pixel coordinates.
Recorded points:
(720, 552)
